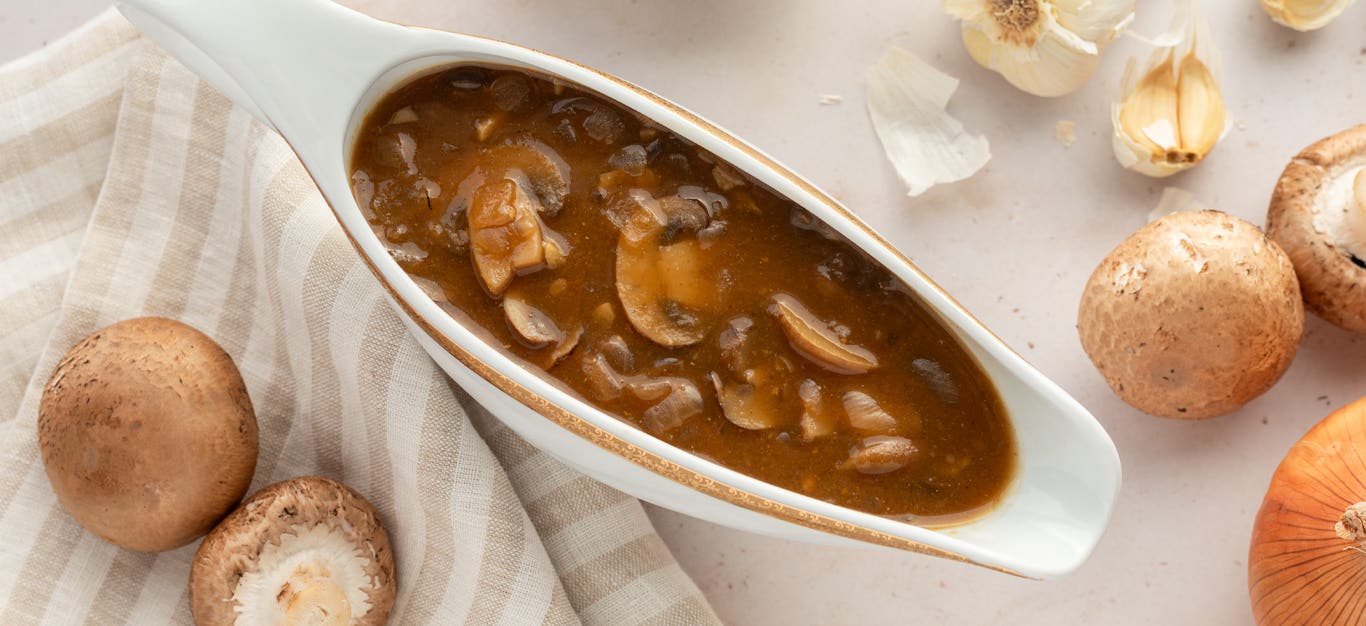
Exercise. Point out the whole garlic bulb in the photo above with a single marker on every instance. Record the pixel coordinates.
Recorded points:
(1044, 47)
(1170, 113)
(1305, 15)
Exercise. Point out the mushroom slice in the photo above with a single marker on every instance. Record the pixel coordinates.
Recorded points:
(505, 234)
(817, 420)
(679, 401)
(555, 248)
(682, 215)
(745, 406)
(866, 416)
(531, 325)
(734, 342)
(671, 399)
(536, 165)
(937, 378)
(661, 285)
(603, 381)
(566, 346)
(880, 455)
(814, 340)
(307, 550)
(617, 352)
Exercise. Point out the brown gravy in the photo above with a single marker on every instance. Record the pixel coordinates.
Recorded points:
(672, 291)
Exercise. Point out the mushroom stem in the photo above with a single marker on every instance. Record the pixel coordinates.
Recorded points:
(1352, 526)
(318, 601)
(1355, 221)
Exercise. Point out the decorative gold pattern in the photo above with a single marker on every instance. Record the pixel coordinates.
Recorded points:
(648, 460)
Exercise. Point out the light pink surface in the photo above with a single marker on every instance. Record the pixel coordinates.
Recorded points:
(1014, 243)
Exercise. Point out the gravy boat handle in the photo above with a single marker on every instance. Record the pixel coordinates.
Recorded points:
(297, 65)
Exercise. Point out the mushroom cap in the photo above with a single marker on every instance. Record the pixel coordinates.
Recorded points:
(290, 548)
(147, 434)
(1334, 286)
(1192, 316)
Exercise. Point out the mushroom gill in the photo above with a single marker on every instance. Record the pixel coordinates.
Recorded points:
(307, 550)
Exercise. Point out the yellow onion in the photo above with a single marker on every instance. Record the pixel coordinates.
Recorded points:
(1307, 563)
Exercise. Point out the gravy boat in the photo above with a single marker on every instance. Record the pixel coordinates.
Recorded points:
(312, 70)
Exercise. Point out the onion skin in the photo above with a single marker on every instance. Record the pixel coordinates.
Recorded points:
(1300, 571)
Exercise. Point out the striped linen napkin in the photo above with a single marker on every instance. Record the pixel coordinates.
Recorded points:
(129, 187)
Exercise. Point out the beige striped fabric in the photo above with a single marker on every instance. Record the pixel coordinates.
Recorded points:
(129, 187)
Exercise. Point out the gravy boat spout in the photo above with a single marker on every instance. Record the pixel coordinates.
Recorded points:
(312, 70)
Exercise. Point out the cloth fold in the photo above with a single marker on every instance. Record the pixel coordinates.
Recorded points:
(129, 187)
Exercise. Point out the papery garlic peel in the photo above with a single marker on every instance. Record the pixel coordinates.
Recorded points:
(1043, 47)
(1171, 110)
(1303, 15)
(926, 145)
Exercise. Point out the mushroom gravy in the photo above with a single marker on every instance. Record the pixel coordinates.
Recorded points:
(668, 289)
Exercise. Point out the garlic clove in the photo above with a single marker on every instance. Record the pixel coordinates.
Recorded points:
(1150, 116)
(1201, 108)
(1041, 47)
(1170, 113)
(1305, 15)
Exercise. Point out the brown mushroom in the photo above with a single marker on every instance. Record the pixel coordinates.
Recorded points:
(303, 551)
(660, 271)
(813, 339)
(1192, 316)
(505, 232)
(1318, 216)
(147, 433)
(881, 454)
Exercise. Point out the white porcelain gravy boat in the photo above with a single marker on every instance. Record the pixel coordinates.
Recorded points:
(312, 70)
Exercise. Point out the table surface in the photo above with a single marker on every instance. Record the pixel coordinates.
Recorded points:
(1014, 244)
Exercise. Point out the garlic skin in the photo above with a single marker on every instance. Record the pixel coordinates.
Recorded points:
(1305, 15)
(1175, 200)
(1170, 113)
(927, 146)
(1044, 47)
